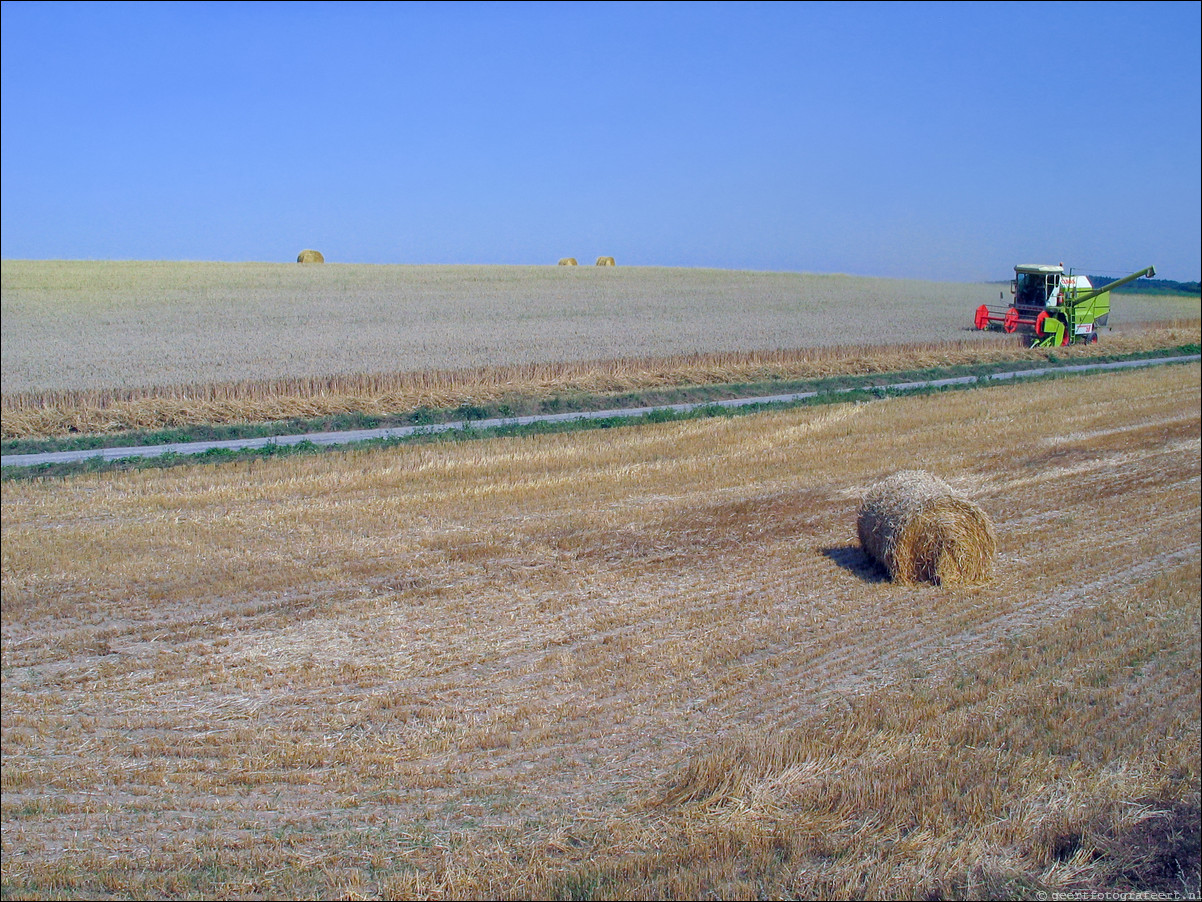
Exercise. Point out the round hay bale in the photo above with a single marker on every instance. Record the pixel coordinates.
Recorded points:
(921, 530)
(606, 261)
(568, 261)
(310, 257)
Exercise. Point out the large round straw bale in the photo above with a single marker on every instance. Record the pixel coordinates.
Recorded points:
(568, 261)
(606, 261)
(310, 257)
(921, 530)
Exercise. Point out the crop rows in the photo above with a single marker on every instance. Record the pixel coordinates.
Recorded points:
(640, 662)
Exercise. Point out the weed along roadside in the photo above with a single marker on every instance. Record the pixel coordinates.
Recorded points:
(303, 442)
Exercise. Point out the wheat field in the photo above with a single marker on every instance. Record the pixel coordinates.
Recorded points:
(104, 347)
(58, 413)
(102, 325)
(634, 663)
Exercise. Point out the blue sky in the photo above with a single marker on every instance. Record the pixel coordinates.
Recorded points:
(942, 141)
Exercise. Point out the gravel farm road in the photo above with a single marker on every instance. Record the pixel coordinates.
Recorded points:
(361, 435)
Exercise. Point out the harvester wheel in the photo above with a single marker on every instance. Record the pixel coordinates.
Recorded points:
(1010, 323)
(1043, 317)
(982, 318)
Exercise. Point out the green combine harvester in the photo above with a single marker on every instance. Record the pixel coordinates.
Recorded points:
(1052, 307)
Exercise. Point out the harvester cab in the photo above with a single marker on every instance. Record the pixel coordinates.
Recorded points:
(1053, 307)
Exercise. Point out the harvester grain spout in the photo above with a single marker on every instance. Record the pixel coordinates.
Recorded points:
(1150, 272)
(1053, 307)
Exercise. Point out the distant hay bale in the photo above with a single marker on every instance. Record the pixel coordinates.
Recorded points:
(310, 257)
(921, 530)
(568, 261)
(606, 261)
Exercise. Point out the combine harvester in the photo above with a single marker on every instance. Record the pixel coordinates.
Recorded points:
(1052, 307)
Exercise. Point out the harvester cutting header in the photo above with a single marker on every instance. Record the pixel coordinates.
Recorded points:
(1053, 307)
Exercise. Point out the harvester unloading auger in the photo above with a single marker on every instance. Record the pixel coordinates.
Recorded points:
(1052, 307)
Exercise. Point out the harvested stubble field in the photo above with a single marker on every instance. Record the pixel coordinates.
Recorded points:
(636, 663)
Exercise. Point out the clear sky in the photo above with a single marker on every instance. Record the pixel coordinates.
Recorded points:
(942, 141)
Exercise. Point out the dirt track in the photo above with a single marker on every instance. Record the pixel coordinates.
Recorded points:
(355, 436)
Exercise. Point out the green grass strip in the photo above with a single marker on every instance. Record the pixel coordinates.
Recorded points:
(518, 406)
(468, 432)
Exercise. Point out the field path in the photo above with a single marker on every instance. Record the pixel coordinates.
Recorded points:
(362, 435)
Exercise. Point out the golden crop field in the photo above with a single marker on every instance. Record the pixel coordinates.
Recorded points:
(103, 347)
(643, 662)
(112, 325)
